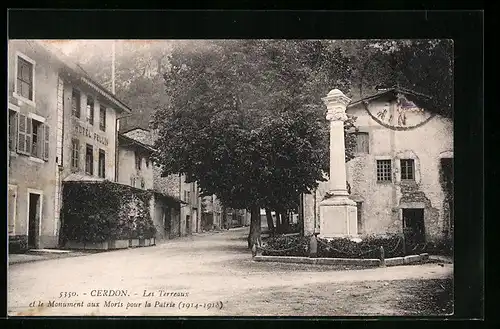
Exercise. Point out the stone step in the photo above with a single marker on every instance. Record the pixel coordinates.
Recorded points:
(48, 251)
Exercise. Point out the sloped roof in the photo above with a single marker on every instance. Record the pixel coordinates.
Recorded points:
(84, 76)
(388, 91)
(125, 140)
(139, 134)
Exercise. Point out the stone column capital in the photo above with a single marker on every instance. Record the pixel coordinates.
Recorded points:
(336, 103)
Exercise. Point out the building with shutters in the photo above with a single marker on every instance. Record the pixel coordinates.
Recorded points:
(402, 175)
(136, 168)
(62, 127)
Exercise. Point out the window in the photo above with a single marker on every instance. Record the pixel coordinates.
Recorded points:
(32, 137)
(12, 130)
(132, 181)
(75, 153)
(24, 78)
(147, 163)
(37, 139)
(407, 169)
(102, 118)
(143, 184)
(137, 161)
(90, 110)
(75, 103)
(102, 164)
(89, 160)
(384, 172)
(362, 143)
(186, 196)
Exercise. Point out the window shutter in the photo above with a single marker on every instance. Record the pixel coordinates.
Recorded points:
(29, 135)
(82, 156)
(46, 143)
(21, 128)
(13, 132)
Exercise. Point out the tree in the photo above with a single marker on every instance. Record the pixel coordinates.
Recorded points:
(139, 66)
(246, 121)
(423, 66)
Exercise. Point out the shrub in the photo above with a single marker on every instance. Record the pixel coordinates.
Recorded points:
(18, 244)
(441, 246)
(102, 211)
(283, 245)
(369, 247)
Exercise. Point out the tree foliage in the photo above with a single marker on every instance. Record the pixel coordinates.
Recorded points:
(424, 66)
(245, 118)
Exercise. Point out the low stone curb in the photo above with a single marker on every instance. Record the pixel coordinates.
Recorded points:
(443, 259)
(343, 261)
(38, 258)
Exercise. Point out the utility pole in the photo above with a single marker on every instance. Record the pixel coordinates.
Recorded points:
(113, 68)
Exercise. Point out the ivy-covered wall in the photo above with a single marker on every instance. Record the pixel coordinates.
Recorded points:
(103, 211)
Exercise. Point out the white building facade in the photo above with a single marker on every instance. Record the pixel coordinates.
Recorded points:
(402, 176)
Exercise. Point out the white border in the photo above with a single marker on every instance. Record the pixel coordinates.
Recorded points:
(40, 193)
(15, 94)
(13, 187)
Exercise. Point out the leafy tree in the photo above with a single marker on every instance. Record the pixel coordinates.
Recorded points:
(424, 66)
(139, 66)
(245, 119)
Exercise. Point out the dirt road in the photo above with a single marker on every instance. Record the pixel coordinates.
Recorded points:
(213, 274)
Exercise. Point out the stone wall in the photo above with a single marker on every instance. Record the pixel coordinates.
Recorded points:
(28, 174)
(382, 202)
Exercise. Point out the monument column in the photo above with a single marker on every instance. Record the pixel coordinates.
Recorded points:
(338, 213)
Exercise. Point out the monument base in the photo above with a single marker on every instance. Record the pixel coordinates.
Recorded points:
(338, 217)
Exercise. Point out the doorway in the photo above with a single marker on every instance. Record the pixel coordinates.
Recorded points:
(167, 223)
(359, 206)
(188, 222)
(195, 220)
(447, 184)
(34, 212)
(413, 226)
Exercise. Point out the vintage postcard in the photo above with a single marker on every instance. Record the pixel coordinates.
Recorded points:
(240, 177)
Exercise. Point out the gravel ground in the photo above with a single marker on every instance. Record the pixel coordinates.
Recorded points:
(213, 274)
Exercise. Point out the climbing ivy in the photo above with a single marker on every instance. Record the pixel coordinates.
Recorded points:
(103, 211)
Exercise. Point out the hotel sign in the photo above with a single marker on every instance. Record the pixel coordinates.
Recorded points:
(90, 134)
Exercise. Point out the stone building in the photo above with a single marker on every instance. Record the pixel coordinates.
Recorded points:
(177, 204)
(402, 176)
(211, 215)
(62, 126)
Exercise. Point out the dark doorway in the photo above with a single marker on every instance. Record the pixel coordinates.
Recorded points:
(188, 224)
(413, 227)
(33, 220)
(359, 205)
(167, 222)
(447, 184)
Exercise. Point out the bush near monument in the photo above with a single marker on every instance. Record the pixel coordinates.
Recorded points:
(368, 248)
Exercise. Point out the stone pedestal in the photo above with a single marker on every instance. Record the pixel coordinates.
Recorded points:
(337, 212)
(338, 217)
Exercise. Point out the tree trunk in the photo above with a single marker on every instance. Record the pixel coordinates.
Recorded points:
(270, 223)
(284, 221)
(301, 215)
(278, 222)
(255, 224)
(224, 218)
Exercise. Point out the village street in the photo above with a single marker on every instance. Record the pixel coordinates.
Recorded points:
(213, 274)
